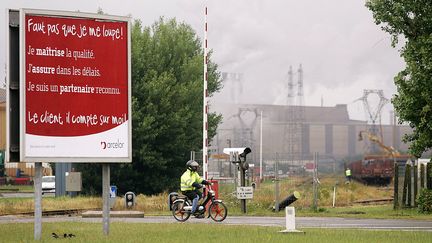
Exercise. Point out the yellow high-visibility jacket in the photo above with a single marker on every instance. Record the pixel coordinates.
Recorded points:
(187, 179)
(348, 172)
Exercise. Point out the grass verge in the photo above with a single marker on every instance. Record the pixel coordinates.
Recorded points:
(157, 206)
(260, 205)
(140, 232)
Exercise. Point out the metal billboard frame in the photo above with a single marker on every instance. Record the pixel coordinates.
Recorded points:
(76, 15)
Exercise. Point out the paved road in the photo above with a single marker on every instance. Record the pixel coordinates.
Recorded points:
(301, 222)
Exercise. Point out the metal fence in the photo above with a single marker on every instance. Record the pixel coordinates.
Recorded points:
(410, 180)
(277, 165)
(284, 174)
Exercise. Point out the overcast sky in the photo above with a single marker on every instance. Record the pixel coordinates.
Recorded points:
(340, 48)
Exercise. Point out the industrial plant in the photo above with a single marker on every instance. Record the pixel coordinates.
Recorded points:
(291, 134)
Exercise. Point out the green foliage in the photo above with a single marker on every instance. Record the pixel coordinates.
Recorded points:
(424, 201)
(167, 108)
(412, 22)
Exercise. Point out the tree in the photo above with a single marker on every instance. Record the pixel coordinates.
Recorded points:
(411, 21)
(167, 107)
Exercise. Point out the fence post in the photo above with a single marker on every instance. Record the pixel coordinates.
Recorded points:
(405, 187)
(429, 175)
(422, 176)
(409, 185)
(396, 187)
(415, 171)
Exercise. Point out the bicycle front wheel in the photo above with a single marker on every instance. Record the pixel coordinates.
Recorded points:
(179, 213)
(218, 211)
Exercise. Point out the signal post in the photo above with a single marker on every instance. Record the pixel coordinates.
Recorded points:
(238, 157)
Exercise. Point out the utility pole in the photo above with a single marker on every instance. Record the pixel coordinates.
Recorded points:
(315, 182)
(205, 103)
(276, 168)
(394, 127)
(373, 115)
(261, 171)
(293, 134)
(230, 167)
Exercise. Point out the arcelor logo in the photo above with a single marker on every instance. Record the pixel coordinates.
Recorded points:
(112, 145)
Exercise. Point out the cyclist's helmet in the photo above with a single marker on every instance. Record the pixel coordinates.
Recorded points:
(192, 165)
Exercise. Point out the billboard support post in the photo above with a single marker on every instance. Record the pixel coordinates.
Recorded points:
(106, 194)
(12, 87)
(38, 201)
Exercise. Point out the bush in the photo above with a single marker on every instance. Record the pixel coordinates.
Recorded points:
(424, 201)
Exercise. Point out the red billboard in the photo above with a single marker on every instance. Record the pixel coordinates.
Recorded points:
(75, 87)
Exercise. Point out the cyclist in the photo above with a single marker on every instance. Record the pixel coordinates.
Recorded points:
(190, 183)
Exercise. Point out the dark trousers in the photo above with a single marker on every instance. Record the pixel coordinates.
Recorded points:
(192, 194)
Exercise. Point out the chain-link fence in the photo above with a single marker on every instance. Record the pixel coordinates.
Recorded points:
(278, 176)
(320, 180)
(279, 165)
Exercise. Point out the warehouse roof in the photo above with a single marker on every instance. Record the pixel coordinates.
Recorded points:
(281, 113)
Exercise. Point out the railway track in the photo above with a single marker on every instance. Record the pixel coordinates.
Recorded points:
(375, 201)
(69, 212)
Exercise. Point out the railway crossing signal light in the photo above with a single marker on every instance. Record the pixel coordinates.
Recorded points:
(129, 199)
(243, 164)
(236, 156)
(245, 152)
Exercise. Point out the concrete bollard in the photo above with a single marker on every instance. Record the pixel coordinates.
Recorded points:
(290, 221)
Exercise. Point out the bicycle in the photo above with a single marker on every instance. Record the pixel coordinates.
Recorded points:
(182, 207)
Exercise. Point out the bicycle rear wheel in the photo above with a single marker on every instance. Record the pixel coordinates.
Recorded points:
(218, 211)
(178, 211)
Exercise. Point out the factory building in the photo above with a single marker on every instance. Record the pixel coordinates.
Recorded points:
(327, 131)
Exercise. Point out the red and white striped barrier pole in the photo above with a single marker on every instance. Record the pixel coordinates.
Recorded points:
(205, 105)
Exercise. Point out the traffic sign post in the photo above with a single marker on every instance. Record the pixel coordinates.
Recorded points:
(113, 195)
(106, 195)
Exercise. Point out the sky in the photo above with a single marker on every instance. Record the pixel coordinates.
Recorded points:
(341, 50)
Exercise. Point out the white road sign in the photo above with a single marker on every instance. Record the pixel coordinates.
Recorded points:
(244, 192)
